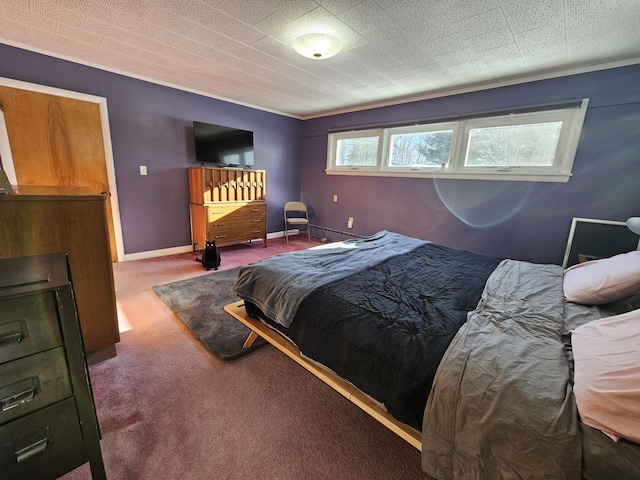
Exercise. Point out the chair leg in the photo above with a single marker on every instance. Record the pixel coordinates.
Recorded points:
(308, 233)
(286, 232)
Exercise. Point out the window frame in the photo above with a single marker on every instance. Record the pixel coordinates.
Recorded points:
(572, 118)
(333, 149)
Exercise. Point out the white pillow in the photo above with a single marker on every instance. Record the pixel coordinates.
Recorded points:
(606, 355)
(603, 281)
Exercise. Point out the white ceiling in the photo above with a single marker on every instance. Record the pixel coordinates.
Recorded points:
(394, 50)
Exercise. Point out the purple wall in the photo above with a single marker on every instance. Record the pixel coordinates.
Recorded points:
(521, 220)
(152, 125)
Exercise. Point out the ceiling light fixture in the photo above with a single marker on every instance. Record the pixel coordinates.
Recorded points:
(317, 45)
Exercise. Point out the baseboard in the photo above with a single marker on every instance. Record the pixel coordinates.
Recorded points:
(128, 257)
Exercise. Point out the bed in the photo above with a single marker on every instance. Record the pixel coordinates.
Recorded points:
(467, 357)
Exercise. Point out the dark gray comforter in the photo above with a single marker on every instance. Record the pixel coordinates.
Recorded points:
(277, 285)
(502, 404)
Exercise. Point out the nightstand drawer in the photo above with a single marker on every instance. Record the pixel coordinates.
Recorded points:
(38, 437)
(28, 325)
(33, 382)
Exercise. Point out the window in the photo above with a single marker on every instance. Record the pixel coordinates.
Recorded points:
(357, 149)
(420, 146)
(535, 146)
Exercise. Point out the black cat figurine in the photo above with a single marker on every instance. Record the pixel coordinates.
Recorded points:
(210, 257)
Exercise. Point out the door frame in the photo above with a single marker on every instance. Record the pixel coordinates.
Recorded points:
(7, 158)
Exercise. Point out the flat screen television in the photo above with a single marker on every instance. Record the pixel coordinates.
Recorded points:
(220, 145)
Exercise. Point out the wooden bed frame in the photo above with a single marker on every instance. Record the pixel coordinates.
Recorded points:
(343, 387)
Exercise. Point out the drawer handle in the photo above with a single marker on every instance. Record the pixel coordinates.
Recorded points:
(14, 336)
(216, 213)
(23, 391)
(35, 448)
(256, 220)
(218, 224)
(220, 236)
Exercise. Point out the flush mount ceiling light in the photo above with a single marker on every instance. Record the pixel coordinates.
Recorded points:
(317, 45)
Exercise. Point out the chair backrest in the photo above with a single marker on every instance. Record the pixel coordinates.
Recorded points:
(295, 207)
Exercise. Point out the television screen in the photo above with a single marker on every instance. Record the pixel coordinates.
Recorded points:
(223, 145)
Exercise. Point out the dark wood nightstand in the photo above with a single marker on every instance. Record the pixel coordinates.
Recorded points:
(48, 423)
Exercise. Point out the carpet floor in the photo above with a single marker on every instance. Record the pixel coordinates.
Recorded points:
(169, 409)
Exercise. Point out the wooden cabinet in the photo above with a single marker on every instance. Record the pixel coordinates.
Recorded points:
(72, 220)
(48, 424)
(227, 205)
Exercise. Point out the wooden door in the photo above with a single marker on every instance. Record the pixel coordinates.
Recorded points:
(57, 141)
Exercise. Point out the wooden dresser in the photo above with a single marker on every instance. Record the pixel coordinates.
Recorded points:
(227, 205)
(48, 423)
(72, 220)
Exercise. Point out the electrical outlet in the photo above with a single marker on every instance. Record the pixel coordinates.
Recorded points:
(143, 170)
(350, 222)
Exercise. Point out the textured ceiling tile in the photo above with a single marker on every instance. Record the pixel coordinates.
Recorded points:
(338, 6)
(545, 14)
(147, 44)
(11, 5)
(364, 16)
(14, 28)
(241, 32)
(516, 7)
(554, 32)
(106, 29)
(482, 24)
(444, 45)
(38, 21)
(54, 13)
(386, 3)
(500, 53)
(458, 10)
(122, 47)
(171, 5)
(133, 23)
(387, 33)
(178, 41)
(250, 11)
(488, 41)
(456, 57)
(208, 37)
(238, 49)
(169, 20)
(414, 10)
(317, 20)
(97, 9)
(287, 11)
(136, 8)
(84, 36)
(430, 28)
(205, 14)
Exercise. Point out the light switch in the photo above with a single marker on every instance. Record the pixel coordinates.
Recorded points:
(143, 170)
(335, 198)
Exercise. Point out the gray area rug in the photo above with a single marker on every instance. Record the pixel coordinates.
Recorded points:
(199, 302)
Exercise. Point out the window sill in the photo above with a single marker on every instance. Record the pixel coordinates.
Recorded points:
(509, 177)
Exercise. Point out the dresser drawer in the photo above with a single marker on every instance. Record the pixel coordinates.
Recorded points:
(229, 212)
(234, 223)
(33, 382)
(239, 234)
(28, 325)
(38, 437)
